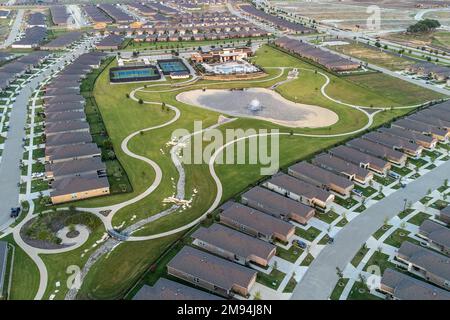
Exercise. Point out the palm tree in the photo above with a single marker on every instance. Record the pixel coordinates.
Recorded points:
(257, 295)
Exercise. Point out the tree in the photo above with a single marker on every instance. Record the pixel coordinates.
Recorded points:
(257, 295)
(141, 101)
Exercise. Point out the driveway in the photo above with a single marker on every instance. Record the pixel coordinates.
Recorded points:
(321, 278)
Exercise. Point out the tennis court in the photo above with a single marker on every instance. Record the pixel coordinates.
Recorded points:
(172, 65)
(131, 74)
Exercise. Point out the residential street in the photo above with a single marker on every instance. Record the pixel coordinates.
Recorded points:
(13, 151)
(321, 278)
(14, 30)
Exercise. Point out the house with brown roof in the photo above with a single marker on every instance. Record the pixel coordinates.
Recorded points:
(378, 150)
(255, 223)
(299, 190)
(165, 289)
(321, 178)
(343, 168)
(431, 265)
(78, 188)
(361, 159)
(436, 234)
(233, 245)
(276, 205)
(211, 272)
(403, 287)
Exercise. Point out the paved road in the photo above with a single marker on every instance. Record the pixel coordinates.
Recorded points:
(321, 278)
(14, 30)
(77, 16)
(13, 151)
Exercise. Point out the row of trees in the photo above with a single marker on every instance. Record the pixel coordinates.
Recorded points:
(426, 25)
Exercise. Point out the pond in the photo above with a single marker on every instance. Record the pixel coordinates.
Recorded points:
(261, 104)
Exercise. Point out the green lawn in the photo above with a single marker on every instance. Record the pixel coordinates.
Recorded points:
(359, 291)
(346, 203)
(290, 286)
(359, 256)
(328, 217)
(366, 191)
(379, 233)
(381, 260)
(418, 218)
(271, 280)
(385, 181)
(291, 254)
(403, 171)
(439, 204)
(398, 237)
(307, 260)
(337, 291)
(309, 234)
(25, 277)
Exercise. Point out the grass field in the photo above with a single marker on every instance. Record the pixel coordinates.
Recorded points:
(436, 38)
(374, 56)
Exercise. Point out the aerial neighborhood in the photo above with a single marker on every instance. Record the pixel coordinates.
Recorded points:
(136, 137)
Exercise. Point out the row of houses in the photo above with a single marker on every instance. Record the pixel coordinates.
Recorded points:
(329, 60)
(422, 262)
(429, 70)
(64, 41)
(277, 22)
(73, 167)
(20, 66)
(110, 42)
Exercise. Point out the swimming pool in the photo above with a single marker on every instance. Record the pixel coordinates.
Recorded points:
(132, 74)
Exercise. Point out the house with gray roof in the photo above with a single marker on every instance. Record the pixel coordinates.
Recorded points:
(444, 215)
(165, 289)
(72, 152)
(255, 222)
(425, 141)
(75, 168)
(343, 168)
(233, 245)
(396, 143)
(299, 190)
(276, 205)
(436, 234)
(361, 159)
(403, 287)
(429, 264)
(212, 273)
(321, 178)
(378, 150)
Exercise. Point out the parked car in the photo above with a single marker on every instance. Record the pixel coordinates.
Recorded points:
(15, 212)
(357, 192)
(394, 175)
(299, 243)
(330, 240)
